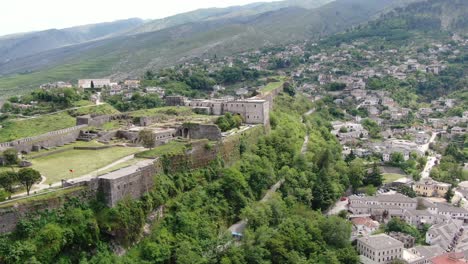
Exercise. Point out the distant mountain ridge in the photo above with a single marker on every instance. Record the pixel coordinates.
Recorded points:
(22, 45)
(132, 52)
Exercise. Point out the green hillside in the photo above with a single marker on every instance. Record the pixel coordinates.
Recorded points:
(124, 56)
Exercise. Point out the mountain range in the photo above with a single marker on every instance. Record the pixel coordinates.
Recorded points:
(127, 48)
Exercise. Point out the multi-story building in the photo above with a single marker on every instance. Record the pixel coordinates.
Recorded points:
(397, 199)
(452, 212)
(444, 235)
(420, 217)
(430, 188)
(380, 248)
(382, 206)
(94, 83)
(421, 254)
(407, 240)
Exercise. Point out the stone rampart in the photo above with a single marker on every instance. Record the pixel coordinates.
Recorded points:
(133, 181)
(47, 140)
(10, 215)
(199, 131)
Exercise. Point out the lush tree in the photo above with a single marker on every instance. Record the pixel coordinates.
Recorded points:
(149, 75)
(397, 158)
(398, 225)
(374, 177)
(8, 179)
(406, 190)
(147, 138)
(357, 172)
(371, 126)
(335, 86)
(10, 156)
(289, 89)
(449, 195)
(229, 121)
(336, 231)
(28, 177)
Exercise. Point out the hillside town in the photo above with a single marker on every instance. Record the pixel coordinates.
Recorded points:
(360, 144)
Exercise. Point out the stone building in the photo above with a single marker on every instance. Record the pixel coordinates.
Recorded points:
(418, 218)
(363, 226)
(252, 111)
(421, 254)
(379, 248)
(406, 239)
(452, 212)
(96, 83)
(444, 235)
(430, 188)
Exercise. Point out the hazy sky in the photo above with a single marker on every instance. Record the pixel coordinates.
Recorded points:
(31, 15)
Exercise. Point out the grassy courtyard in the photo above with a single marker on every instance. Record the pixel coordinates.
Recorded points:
(391, 177)
(273, 85)
(172, 148)
(16, 129)
(57, 166)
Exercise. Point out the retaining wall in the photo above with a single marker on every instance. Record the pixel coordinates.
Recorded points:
(48, 140)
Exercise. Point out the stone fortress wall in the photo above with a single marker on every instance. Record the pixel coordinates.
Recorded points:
(136, 180)
(47, 140)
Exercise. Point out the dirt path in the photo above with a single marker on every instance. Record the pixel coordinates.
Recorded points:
(306, 138)
(240, 226)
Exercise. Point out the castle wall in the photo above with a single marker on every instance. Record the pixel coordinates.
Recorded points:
(95, 121)
(10, 216)
(131, 182)
(252, 111)
(199, 131)
(134, 181)
(48, 140)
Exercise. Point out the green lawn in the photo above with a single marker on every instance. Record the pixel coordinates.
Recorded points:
(57, 166)
(16, 129)
(273, 85)
(168, 110)
(173, 147)
(104, 109)
(391, 177)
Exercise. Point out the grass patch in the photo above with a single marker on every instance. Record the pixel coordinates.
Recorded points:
(391, 177)
(172, 148)
(82, 103)
(112, 125)
(104, 109)
(57, 166)
(272, 85)
(168, 110)
(16, 129)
